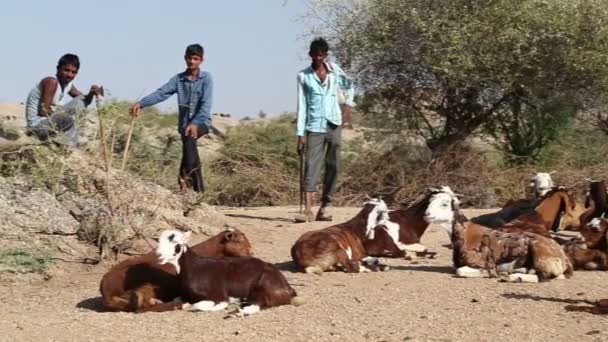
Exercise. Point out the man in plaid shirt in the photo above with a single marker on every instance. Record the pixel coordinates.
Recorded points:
(325, 101)
(194, 88)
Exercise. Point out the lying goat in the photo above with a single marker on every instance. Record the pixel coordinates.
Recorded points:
(480, 251)
(211, 284)
(142, 284)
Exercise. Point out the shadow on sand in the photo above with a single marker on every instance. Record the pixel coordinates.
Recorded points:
(425, 268)
(526, 296)
(92, 304)
(287, 266)
(263, 218)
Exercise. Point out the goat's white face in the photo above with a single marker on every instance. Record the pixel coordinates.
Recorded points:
(542, 182)
(171, 246)
(440, 209)
(379, 210)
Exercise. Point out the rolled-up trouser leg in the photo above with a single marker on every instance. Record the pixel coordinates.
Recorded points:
(190, 171)
(332, 162)
(315, 144)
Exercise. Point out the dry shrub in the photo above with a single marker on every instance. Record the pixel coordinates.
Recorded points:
(404, 171)
(257, 166)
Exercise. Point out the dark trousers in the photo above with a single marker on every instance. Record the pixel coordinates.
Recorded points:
(190, 170)
(319, 145)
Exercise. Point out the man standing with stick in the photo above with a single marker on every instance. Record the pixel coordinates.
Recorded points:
(325, 101)
(194, 88)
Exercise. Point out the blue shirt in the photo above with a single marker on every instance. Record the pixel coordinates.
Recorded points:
(194, 98)
(318, 102)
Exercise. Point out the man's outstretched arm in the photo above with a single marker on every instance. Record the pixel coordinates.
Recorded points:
(160, 95)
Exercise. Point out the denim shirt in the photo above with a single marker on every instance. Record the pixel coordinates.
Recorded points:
(194, 98)
(318, 103)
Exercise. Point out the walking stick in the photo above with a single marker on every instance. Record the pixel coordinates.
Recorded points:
(302, 151)
(126, 152)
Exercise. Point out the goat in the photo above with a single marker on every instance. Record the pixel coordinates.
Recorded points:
(340, 246)
(399, 231)
(595, 202)
(211, 284)
(142, 284)
(480, 251)
(591, 252)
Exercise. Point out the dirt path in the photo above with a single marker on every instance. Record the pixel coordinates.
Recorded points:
(415, 301)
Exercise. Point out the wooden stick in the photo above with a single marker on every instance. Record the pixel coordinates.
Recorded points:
(125, 155)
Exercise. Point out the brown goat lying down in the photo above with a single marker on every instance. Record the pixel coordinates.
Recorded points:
(211, 284)
(590, 252)
(340, 246)
(480, 251)
(142, 284)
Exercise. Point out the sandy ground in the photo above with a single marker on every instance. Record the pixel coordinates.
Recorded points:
(415, 301)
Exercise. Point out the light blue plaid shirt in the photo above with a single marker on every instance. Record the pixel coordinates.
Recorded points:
(318, 103)
(194, 98)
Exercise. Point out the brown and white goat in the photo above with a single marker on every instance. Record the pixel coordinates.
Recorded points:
(211, 284)
(596, 203)
(142, 284)
(341, 246)
(398, 232)
(479, 251)
(591, 252)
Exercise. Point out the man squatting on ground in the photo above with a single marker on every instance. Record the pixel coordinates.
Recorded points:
(325, 101)
(194, 88)
(47, 111)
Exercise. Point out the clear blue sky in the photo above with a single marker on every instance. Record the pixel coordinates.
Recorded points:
(253, 48)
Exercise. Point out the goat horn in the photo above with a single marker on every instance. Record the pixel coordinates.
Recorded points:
(552, 172)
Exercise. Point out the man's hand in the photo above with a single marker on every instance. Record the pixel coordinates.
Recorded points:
(96, 90)
(135, 110)
(191, 131)
(346, 113)
(301, 144)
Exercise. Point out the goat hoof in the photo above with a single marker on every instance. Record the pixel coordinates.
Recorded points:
(186, 306)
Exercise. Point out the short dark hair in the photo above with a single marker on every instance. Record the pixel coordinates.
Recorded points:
(68, 59)
(319, 45)
(194, 50)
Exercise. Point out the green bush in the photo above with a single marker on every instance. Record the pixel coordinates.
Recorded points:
(19, 260)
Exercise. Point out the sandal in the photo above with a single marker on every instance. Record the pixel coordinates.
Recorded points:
(306, 217)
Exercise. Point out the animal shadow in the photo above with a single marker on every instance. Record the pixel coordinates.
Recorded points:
(425, 268)
(263, 218)
(523, 296)
(288, 266)
(92, 304)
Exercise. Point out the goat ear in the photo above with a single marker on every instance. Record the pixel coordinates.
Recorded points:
(187, 236)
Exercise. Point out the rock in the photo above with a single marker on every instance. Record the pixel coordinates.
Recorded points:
(32, 211)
